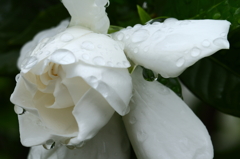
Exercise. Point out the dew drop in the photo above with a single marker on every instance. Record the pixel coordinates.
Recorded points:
(140, 35)
(206, 43)
(223, 34)
(70, 147)
(50, 144)
(135, 50)
(195, 52)
(17, 77)
(120, 36)
(129, 27)
(221, 42)
(141, 136)
(156, 23)
(66, 37)
(132, 120)
(63, 57)
(85, 56)
(157, 35)
(87, 45)
(19, 110)
(170, 21)
(180, 62)
(137, 26)
(93, 79)
(99, 60)
(29, 62)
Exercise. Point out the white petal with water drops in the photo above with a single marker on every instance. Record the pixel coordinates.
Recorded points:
(110, 143)
(63, 57)
(161, 126)
(114, 84)
(170, 47)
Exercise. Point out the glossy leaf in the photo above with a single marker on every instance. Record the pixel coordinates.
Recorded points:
(215, 84)
(144, 16)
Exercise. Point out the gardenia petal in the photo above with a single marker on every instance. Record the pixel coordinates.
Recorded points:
(114, 84)
(169, 48)
(92, 112)
(33, 131)
(73, 45)
(88, 13)
(40, 37)
(110, 142)
(161, 125)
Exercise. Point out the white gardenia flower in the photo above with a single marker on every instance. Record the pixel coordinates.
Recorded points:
(74, 78)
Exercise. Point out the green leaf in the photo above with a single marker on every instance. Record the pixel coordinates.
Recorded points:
(144, 16)
(215, 84)
(171, 83)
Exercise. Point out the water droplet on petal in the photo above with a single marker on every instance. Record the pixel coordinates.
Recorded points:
(180, 62)
(140, 35)
(221, 42)
(120, 36)
(109, 64)
(141, 136)
(206, 43)
(93, 79)
(132, 120)
(157, 35)
(70, 147)
(135, 50)
(223, 34)
(49, 144)
(29, 63)
(66, 37)
(195, 52)
(137, 26)
(99, 60)
(87, 45)
(19, 110)
(63, 57)
(85, 56)
(170, 21)
(156, 23)
(17, 77)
